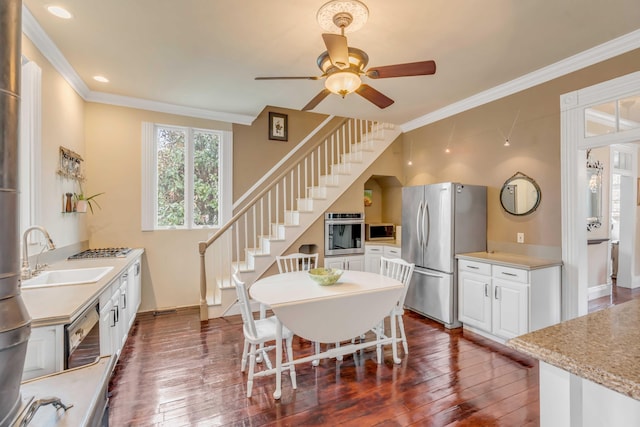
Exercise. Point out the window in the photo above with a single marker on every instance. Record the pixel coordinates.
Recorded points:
(186, 181)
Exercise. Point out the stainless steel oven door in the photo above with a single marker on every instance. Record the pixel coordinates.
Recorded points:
(82, 339)
(343, 237)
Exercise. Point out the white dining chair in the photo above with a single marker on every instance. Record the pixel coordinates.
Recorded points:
(256, 334)
(400, 270)
(298, 262)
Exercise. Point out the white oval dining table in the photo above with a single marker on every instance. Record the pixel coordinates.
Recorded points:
(356, 303)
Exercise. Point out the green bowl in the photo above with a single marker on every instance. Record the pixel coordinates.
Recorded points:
(325, 276)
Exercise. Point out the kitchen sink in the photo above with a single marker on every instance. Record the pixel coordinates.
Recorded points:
(66, 277)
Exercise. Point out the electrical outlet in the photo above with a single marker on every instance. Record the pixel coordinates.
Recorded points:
(520, 238)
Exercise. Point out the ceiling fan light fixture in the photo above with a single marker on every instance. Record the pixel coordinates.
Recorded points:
(342, 15)
(343, 83)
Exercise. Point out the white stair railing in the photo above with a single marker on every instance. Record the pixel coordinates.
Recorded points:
(257, 232)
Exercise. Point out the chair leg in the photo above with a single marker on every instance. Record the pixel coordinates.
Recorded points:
(292, 367)
(403, 337)
(252, 366)
(243, 365)
(316, 345)
(338, 358)
(379, 334)
(263, 314)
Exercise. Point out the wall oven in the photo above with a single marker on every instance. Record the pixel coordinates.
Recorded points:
(343, 233)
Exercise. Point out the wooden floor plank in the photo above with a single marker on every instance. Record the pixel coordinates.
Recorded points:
(177, 371)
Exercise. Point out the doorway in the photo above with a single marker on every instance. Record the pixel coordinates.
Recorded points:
(597, 116)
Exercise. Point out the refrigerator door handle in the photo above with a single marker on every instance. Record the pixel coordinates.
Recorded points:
(418, 223)
(425, 273)
(428, 221)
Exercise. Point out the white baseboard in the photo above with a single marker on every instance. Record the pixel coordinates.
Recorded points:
(599, 291)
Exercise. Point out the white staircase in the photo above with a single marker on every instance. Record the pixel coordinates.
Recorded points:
(267, 225)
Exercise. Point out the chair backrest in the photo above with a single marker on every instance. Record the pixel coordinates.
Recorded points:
(245, 308)
(296, 262)
(400, 270)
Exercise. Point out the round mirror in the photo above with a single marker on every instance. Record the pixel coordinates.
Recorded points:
(520, 195)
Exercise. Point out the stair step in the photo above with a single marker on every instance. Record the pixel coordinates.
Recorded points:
(341, 169)
(305, 205)
(319, 193)
(257, 252)
(330, 180)
(353, 157)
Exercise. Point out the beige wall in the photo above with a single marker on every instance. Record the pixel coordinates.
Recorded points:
(479, 157)
(171, 275)
(62, 125)
(252, 146)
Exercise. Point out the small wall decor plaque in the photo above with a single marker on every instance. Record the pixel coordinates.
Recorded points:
(278, 126)
(70, 164)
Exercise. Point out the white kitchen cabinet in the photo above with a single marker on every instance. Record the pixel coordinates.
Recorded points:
(355, 262)
(123, 313)
(45, 352)
(392, 252)
(373, 253)
(474, 303)
(134, 292)
(502, 302)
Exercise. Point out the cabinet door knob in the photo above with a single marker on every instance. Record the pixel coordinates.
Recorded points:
(495, 292)
(486, 289)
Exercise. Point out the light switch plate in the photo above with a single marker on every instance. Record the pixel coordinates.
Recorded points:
(520, 238)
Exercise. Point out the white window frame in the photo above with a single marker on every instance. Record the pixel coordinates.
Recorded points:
(30, 147)
(150, 184)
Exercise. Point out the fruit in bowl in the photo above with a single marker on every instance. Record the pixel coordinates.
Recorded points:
(325, 276)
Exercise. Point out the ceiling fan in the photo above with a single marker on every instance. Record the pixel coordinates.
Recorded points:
(342, 66)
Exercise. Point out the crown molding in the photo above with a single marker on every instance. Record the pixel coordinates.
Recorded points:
(573, 63)
(163, 107)
(607, 50)
(32, 29)
(48, 48)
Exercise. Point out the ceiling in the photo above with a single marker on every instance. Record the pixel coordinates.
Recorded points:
(204, 54)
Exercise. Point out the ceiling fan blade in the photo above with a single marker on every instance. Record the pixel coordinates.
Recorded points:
(316, 99)
(372, 95)
(338, 49)
(288, 78)
(422, 68)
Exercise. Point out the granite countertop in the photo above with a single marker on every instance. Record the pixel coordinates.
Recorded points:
(510, 260)
(603, 347)
(57, 305)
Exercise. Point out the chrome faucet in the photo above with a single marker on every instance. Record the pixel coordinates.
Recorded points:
(25, 272)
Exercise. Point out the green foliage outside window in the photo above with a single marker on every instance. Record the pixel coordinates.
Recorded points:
(206, 169)
(171, 154)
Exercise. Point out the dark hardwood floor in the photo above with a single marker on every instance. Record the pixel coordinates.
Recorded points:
(176, 371)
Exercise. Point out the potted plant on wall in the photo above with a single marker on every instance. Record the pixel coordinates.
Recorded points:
(82, 201)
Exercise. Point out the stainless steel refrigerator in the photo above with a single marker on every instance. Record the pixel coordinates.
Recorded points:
(439, 221)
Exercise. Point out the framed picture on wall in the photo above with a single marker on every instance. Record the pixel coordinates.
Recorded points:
(278, 126)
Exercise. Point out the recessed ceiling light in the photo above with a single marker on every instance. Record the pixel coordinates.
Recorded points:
(60, 12)
(101, 79)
